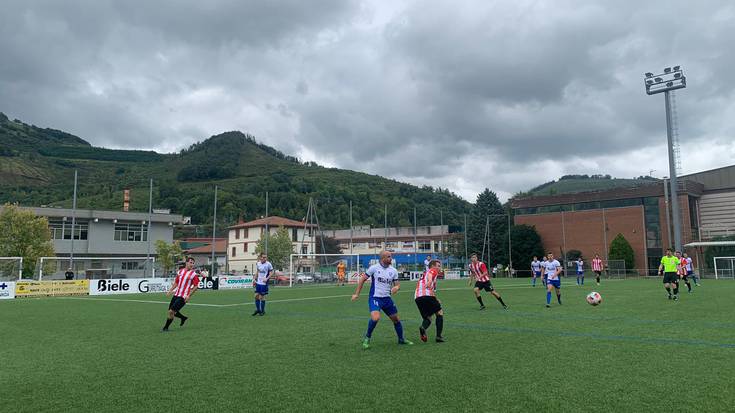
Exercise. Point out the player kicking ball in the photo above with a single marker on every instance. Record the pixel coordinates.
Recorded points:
(552, 270)
(263, 276)
(429, 306)
(185, 285)
(384, 283)
(478, 269)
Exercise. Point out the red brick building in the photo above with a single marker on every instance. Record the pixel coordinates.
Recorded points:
(589, 221)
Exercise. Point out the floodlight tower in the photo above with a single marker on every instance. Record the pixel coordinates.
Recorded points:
(670, 80)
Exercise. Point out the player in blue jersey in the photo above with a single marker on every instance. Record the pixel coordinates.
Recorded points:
(580, 271)
(384, 283)
(535, 270)
(552, 269)
(260, 283)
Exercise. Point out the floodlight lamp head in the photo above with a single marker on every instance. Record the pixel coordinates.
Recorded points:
(649, 82)
(677, 75)
(667, 70)
(677, 68)
(649, 74)
(658, 80)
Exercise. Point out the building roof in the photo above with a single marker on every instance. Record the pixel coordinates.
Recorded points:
(220, 247)
(715, 179)
(101, 214)
(272, 221)
(685, 186)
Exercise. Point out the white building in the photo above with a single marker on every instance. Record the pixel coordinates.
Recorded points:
(370, 241)
(243, 238)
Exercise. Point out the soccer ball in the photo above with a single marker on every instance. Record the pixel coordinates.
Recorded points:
(594, 298)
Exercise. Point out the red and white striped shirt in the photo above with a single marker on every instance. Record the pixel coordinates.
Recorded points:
(185, 281)
(596, 264)
(479, 270)
(427, 284)
(682, 268)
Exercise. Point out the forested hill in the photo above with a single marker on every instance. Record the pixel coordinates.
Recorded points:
(37, 168)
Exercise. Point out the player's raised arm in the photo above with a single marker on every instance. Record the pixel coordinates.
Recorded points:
(360, 282)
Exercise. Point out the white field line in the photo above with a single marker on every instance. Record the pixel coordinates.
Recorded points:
(285, 300)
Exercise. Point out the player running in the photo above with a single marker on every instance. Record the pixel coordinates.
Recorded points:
(580, 271)
(690, 270)
(552, 269)
(428, 304)
(384, 282)
(341, 269)
(667, 268)
(260, 282)
(535, 270)
(478, 271)
(597, 267)
(682, 270)
(185, 285)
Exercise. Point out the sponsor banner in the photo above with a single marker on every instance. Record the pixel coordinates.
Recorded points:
(208, 283)
(7, 290)
(235, 281)
(45, 288)
(129, 286)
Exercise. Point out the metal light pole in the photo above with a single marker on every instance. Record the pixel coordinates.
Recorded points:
(214, 232)
(73, 223)
(415, 242)
(671, 79)
(668, 212)
(150, 212)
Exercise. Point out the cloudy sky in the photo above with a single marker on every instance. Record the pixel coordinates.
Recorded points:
(457, 94)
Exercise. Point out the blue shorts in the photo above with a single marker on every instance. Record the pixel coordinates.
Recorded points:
(382, 303)
(555, 283)
(261, 289)
(580, 272)
(537, 273)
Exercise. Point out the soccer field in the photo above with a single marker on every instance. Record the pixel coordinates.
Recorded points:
(636, 352)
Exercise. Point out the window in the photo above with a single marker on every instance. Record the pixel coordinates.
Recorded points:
(652, 219)
(304, 249)
(234, 251)
(131, 232)
(245, 247)
(425, 245)
(237, 233)
(245, 232)
(62, 229)
(130, 265)
(294, 234)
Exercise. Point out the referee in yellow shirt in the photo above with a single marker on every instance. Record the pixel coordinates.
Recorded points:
(668, 267)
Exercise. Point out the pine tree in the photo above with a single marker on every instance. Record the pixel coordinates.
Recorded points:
(488, 207)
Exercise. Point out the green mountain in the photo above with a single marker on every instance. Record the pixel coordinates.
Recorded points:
(37, 168)
(568, 184)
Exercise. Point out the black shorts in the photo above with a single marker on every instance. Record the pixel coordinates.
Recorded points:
(685, 277)
(177, 303)
(428, 306)
(670, 277)
(484, 285)
(598, 273)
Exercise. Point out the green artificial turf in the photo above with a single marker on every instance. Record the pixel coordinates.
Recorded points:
(636, 352)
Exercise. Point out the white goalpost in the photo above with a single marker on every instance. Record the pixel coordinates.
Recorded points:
(724, 267)
(10, 266)
(321, 268)
(98, 267)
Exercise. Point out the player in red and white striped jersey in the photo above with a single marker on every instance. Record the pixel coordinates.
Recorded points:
(478, 271)
(597, 267)
(428, 304)
(185, 285)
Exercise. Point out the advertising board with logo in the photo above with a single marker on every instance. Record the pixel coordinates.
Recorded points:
(129, 286)
(7, 290)
(45, 288)
(208, 283)
(235, 281)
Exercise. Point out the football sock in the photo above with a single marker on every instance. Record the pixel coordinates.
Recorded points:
(426, 323)
(257, 305)
(578, 280)
(668, 290)
(479, 300)
(399, 330)
(533, 282)
(548, 297)
(558, 297)
(583, 280)
(179, 315)
(262, 306)
(168, 323)
(499, 298)
(371, 327)
(597, 279)
(439, 325)
(689, 286)
(676, 290)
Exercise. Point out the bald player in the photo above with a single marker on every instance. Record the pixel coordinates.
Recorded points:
(384, 283)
